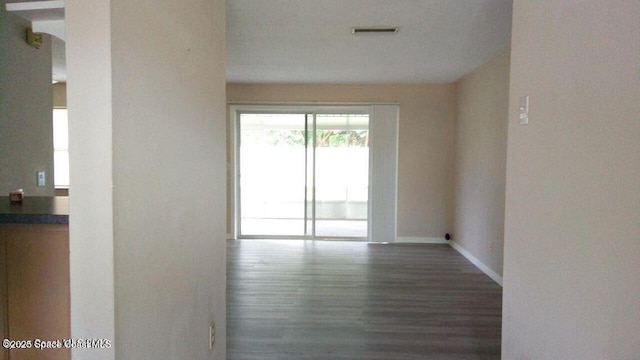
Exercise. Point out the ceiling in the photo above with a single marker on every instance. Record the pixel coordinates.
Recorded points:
(298, 41)
(305, 41)
(38, 10)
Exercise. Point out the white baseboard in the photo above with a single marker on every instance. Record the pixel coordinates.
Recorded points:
(479, 264)
(420, 240)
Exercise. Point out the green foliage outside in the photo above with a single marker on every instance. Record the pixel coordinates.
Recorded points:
(324, 138)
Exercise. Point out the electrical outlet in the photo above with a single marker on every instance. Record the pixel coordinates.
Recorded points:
(212, 335)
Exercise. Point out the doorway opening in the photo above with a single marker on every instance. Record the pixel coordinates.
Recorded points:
(303, 174)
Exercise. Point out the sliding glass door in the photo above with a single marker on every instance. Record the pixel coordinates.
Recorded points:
(341, 175)
(273, 162)
(303, 175)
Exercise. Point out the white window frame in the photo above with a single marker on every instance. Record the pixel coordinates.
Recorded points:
(60, 146)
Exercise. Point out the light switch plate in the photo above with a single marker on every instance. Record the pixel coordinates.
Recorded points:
(42, 180)
(212, 335)
(523, 110)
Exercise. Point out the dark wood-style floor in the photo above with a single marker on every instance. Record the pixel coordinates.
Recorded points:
(353, 300)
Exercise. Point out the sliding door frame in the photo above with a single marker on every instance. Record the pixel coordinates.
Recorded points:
(388, 207)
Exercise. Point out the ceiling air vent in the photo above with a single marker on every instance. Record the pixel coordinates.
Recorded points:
(374, 30)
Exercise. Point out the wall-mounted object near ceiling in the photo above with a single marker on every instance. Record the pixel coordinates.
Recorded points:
(34, 39)
(46, 17)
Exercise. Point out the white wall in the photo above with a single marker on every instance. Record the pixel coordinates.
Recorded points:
(480, 165)
(572, 227)
(26, 102)
(147, 130)
(88, 27)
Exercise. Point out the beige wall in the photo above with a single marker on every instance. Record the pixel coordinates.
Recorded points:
(147, 233)
(572, 227)
(168, 154)
(481, 151)
(425, 166)
(26, 130)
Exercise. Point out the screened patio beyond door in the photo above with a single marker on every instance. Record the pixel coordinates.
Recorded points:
(303, 175)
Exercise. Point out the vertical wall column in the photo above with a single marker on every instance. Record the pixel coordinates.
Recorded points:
(91, 233)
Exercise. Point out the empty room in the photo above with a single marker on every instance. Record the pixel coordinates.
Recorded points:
(343, 124)
(321, 179)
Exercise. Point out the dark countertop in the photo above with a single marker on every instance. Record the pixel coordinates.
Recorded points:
(35, 210)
